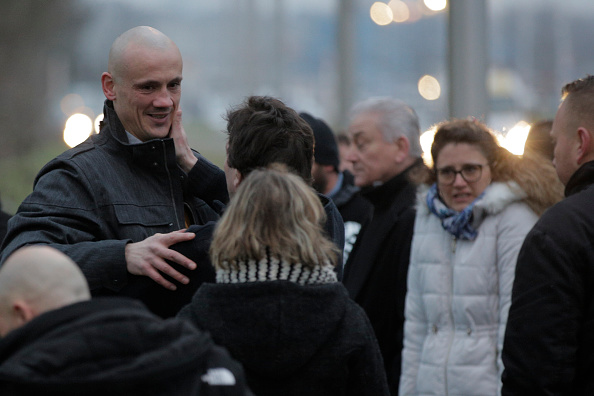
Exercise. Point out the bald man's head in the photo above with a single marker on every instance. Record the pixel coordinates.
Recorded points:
(143, 82)
(36, 279)
(128, 42)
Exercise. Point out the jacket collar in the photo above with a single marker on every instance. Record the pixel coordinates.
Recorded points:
(383, 195)
(115, 136)
(581, 179)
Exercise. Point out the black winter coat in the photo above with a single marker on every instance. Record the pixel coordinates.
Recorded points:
(549, 340)
(114, 346)
(291, 339)
(376, 271)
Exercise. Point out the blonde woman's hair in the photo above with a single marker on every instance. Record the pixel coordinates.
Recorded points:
(533, 173)
(273, 213)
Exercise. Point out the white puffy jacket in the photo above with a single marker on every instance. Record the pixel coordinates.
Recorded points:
(458, 297)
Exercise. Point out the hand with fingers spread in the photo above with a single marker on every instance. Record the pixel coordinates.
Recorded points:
(148, 257)
(183, 153)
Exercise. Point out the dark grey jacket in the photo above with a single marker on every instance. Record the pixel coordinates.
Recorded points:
(114, 346)
(92, 200)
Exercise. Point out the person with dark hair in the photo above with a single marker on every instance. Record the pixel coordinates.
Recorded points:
(539, 139)
(119, 202)
(57, 341)
(479, 203)
(328, 180)
(549, 341)
(386, 154)
(263, 130)
(277, 305)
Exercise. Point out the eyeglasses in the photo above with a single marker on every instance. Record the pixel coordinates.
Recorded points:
(469, 172)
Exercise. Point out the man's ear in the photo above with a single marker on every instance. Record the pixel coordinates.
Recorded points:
(584, 146)
(403, 147)
(23, 312)
(107, 84)
(237, 180)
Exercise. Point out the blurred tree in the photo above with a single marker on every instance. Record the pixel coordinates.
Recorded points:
(36, 41)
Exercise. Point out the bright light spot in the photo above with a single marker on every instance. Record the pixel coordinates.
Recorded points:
(436, 5)
(98, 119)
(399, 10)
(429, 87)
(515, 139)
(426, 142)
(416, 12)
(70, 103)
(381, 13)
(77, 130)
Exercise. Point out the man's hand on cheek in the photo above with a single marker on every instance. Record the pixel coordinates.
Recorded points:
(183, 153)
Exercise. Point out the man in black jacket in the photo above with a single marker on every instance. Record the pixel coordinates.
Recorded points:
(118, 202)
(56, 341)
(549, 340)
(386, 153)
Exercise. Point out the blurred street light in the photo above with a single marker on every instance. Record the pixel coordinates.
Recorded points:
(400, 11)
(429, 87)
(98, 119)
(426, 142)
(515, 139)
(381, 13)
(78, 128)
(436, 5)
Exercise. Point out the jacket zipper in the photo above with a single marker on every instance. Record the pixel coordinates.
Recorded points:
(170, 185)
(450, 297)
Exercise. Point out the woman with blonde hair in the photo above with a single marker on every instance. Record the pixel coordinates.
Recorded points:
(471, 221)
(277, 306)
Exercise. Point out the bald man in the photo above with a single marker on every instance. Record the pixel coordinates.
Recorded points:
(118, 203)
(56, 341)
(35, 280)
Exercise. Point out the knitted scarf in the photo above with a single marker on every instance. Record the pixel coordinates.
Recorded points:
(273, 268)
(456, 223)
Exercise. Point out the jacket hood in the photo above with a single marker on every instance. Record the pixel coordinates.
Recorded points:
(273, 328)
(102, 341)
(498, 195)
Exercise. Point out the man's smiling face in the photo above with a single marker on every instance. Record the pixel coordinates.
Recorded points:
(147, 91)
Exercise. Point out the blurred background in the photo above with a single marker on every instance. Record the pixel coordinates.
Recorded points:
(318, 56)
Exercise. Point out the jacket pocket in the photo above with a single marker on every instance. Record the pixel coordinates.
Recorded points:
(147, 216)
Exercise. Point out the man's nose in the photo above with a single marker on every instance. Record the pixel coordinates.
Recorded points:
(163, 99)
(351, 155)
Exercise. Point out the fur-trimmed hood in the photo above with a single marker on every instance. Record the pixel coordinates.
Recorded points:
(498, 195)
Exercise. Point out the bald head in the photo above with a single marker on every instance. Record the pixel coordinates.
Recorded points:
(143, 82)
(36, 279)
(129, 42)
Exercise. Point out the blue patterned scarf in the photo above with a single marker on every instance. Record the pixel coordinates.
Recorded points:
(456, 223)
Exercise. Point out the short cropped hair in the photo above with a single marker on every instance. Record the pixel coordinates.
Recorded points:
(579, 98)
(263, 130)
(396, 119)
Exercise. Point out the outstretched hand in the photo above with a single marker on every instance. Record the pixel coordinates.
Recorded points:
(148, 257)
(183, 153)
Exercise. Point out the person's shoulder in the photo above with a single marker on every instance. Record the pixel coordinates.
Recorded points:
(575, 208)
